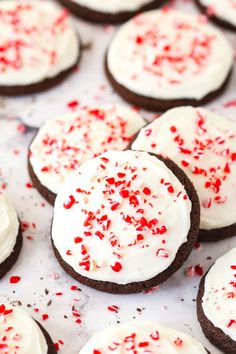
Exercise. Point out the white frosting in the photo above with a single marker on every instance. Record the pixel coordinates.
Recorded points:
(219, 300)
(129, 208)
(203, 144)
(113, 6)
(166, 54)
(9, 228)
(64, 143)
(19, 333)
(38, 42)
(142, 337)
(225, 10)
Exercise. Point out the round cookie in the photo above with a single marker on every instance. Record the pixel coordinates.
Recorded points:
(20, 333)
(216, 303)
(39, 46)
(125, 221)
(203, 144)
(142, 337)
(221, 12)
(114, 11)
(64, 143)
(165, 58)
(10, 236)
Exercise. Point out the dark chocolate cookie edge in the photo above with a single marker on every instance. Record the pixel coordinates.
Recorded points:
(152, 104)
(45, 85)
(50, 344)
(100, 17)
(215, 19)
(43, 191)
(215, 335)
(9, 262)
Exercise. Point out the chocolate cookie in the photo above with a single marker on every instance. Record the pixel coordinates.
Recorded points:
(10, 236)
(20, 90)
(22, 333)
(33, 57)
(225, 18)
(219, 326)
(142, 334)
(197, 140)
(89, 132)
(50, 343)
(125, 210)
(124, 13)
(170, 75)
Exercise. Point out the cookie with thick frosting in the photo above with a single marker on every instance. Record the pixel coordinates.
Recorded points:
(125, 221)
(142, 337)
(64, 143)
(221, 12)
(10, 236)
(203, 144)
(165, 58)
(20, 333)
(216, 303)
(39, 46)
(110, 11)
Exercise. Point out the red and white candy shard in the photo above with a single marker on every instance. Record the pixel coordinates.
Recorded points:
(38, 42)
(116, 211)
(19, 333)
(219, 299)
(203, 144)
(64, 143)
(167, 54)
(142, 337)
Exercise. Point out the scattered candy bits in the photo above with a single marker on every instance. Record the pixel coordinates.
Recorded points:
(14, 279)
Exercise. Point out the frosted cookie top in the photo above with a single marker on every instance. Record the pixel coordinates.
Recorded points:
(203, 144)
(166, 54)
(118, 210)
(38, 41)
(64, 143)
(142, 337)
(219, 300)
(113, 6)
(225, 10)
(19, 333)
(9, 228)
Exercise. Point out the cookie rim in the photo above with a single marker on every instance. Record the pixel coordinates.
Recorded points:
(45, 84)
(94, 16)
(214, 334)
(215, 19)
(161, 105)
(49, 341)
(11, 260)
